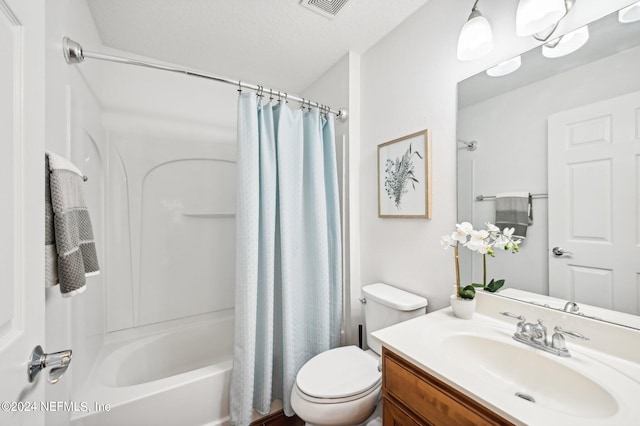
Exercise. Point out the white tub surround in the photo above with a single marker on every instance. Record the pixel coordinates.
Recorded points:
(598, 384)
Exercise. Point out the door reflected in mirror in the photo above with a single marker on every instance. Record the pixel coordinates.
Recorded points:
(568, 127)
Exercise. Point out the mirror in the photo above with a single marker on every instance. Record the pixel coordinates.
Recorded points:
(512, 118)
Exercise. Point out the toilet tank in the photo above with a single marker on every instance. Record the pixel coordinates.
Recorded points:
(386, 305)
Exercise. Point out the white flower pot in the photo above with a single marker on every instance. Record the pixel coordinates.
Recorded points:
(463, 308)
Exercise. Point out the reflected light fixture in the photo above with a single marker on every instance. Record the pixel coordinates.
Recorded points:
(537, 16)
(630, 13)
(506, 67)
(567, 43)
(476, 37)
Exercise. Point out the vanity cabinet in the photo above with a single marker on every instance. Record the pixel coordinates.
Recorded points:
(412, 397)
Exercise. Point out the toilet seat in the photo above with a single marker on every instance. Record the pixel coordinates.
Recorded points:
(338, 375)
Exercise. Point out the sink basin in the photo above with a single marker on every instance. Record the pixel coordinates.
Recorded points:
(528, 373)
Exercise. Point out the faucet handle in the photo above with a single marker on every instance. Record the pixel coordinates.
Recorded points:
(510, 315)
(575, 334)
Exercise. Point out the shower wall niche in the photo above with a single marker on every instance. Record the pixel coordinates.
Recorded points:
(172, 221)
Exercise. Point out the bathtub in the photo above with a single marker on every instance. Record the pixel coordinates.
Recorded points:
(179, 375)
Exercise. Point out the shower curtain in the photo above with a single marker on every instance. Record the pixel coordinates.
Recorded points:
(288, 304)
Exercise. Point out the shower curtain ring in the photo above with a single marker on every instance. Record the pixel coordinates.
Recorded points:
(286, 95)
(271, 95)
(239, 86)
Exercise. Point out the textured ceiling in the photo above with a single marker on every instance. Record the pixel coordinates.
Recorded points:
(276, 43)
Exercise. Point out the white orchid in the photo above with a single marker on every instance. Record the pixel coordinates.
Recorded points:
(481, 241)
(447, 241)
(505, 241)
(492, 228)
(463, 230)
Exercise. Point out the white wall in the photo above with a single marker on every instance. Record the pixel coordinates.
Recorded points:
(73, 130)
(408, 84)
(513, 156)
(158, 103)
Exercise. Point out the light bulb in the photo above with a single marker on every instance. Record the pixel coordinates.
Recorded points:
(568, 43)
(534, 16)
(476, 37)
(506, 67)
(629, 13)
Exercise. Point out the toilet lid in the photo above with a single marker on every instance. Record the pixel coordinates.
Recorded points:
(339, 373)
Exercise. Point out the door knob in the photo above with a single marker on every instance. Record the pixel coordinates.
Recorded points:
(57, 363)
(558, 251)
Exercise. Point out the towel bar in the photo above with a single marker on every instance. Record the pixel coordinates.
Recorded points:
(493, 197)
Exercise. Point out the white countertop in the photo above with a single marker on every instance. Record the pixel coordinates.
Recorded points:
(605, 390)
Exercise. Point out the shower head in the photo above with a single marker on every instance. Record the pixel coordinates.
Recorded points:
(471, 146)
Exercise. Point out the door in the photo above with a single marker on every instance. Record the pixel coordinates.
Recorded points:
(21, 207)
(594, 204)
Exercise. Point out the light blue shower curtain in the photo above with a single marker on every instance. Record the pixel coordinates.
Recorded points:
(288, 251)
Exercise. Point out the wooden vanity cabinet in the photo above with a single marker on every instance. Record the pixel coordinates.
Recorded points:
(412, 397)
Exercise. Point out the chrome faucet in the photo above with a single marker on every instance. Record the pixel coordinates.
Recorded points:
(535, 335)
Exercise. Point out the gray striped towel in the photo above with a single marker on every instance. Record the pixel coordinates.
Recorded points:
(514, 210)
(70, 250)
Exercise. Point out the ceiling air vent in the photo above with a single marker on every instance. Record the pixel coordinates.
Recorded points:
(327, 8)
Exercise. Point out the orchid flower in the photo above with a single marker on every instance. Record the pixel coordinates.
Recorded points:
(480, 242)
(447, 241)
(505, 241)
(463, 230)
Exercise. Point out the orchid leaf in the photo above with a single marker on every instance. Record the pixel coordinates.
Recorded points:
(494, 285)
(467, 292)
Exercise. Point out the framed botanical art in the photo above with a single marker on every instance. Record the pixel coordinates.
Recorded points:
(404, 177)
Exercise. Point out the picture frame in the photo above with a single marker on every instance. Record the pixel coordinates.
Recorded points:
(404, 177)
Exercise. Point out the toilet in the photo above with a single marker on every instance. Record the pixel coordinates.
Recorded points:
(342, 386)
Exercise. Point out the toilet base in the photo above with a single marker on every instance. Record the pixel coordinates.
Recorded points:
(375, 419)
(349, 413)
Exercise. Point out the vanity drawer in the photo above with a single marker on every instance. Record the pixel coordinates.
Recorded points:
(429, 398)
(393, 415)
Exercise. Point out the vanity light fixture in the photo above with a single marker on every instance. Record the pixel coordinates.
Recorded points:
(566, 44)
(540, 18)
(506, 67)
(476, 37)
(630, 13)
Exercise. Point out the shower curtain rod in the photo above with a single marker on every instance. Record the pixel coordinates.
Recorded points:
(75, 54)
